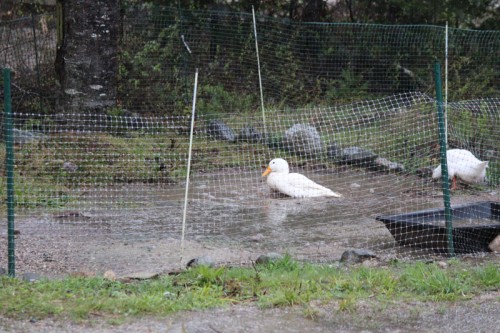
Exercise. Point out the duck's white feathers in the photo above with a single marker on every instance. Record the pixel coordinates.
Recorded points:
(294, 184)
(464, 165)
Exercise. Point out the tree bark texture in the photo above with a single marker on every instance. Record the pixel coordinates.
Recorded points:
(86, 60)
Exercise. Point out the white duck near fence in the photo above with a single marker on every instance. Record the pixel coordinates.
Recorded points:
(462, 164)
(294, 185)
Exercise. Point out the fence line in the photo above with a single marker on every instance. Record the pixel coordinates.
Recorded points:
(348, 105)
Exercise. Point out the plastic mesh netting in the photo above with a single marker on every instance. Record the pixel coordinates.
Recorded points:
(350, 106)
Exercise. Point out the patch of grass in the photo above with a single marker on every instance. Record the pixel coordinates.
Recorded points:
(279, 284)
(432, 282)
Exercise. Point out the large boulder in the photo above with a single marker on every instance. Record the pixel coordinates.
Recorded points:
(304, 140)
(21, 136)
(219, 130)
(249, 134)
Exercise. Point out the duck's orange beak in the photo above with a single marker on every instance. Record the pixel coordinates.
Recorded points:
(268, 171)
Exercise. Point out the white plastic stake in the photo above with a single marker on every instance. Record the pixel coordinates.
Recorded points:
(258, 69)
(188, 165)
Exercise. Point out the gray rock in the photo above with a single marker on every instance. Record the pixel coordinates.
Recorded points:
(353, 155)
(219, 130)
(30, 277)
(268, 258)
(357, 256)
(169, 295)
(354, 186)
(201, 261)
(383, 164)
(249, 134)
(494, 245)
(334, 152)
(69, 167)
(21, 136)
(304, 140)
(3, 271)
(425, 172)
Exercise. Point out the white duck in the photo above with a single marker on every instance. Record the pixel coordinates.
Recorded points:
(293, 184)
(464, 165)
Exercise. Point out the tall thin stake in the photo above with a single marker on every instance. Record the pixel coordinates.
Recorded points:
(260, 76)
(189, 165)
(9, 163)
(444, 162)
(446, 84)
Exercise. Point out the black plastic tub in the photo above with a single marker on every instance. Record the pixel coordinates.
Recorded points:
(425, 229)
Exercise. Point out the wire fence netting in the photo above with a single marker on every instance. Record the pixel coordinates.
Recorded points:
(350, 106)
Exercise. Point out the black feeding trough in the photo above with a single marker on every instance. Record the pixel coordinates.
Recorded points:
(475, 226)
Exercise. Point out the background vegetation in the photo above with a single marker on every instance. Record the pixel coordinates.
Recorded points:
(338, 59)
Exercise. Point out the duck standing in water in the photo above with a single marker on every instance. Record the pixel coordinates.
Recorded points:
(464, 165)
(294, 185)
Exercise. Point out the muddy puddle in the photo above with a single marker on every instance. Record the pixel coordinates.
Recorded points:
(232, 218)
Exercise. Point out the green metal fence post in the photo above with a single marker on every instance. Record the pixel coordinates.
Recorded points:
(9, 163)
(444, 162)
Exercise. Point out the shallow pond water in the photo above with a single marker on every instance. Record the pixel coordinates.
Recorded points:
(231, 217)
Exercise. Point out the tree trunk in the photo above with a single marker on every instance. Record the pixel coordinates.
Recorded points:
(86, 60)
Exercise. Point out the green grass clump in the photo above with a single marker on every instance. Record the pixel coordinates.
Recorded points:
(277, 284)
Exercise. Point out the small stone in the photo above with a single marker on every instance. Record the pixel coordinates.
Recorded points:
(201, 261)
(357, 256)
(109, 275)
(495, 244)
(30, 277)
(425, 172)
(268, 258)
(69, 167)
(442, 264)
(384, 164)
(3, 271)
(354, 186)
(168, 295)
